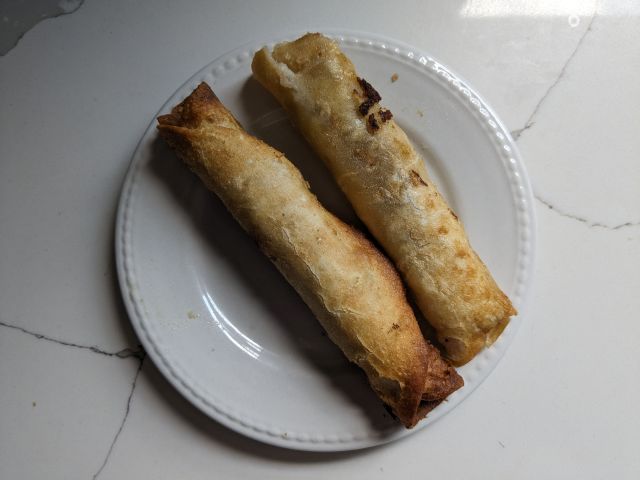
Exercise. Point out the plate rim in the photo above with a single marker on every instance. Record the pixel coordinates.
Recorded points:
(526, 223)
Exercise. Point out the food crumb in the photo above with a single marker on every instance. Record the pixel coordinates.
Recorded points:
(192, 315)
(394, 77)
(419, 112)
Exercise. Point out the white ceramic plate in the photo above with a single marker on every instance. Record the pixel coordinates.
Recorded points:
(222, 324)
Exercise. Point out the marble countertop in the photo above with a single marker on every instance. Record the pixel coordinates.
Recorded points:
(78, 399)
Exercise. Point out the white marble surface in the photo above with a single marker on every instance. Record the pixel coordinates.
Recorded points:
(77, 399)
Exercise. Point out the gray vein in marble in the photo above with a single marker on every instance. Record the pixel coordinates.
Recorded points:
(17, 18)
(124, 418)
(580, 219)
(124, 353)
(515, 134)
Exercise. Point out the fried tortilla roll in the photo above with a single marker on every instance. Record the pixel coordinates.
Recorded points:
(351, 288)
(386, 181)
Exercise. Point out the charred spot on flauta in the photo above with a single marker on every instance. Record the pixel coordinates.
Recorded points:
(369, 91)
(365, 106)
(372, 96)
(373, 123)
(385, 115)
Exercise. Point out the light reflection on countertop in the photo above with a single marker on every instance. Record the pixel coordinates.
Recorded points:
(540, 8)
